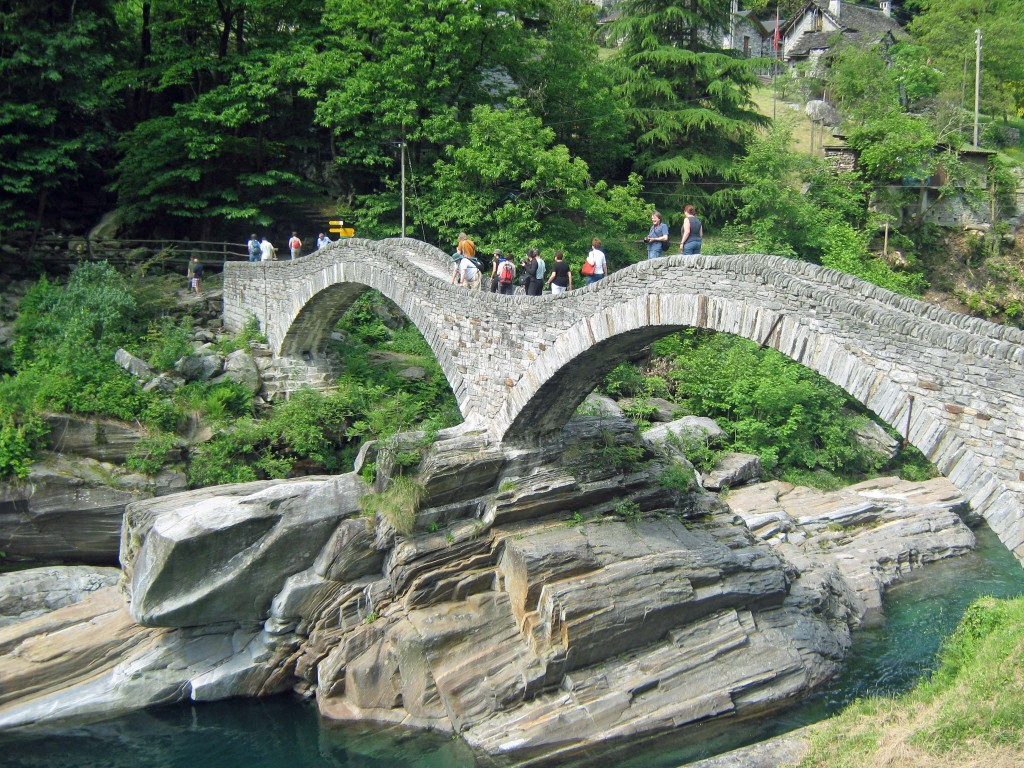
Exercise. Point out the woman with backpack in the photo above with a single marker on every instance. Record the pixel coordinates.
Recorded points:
(503, 275)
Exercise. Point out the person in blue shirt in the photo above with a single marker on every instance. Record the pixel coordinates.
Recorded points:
(254, 248)
(657, 238)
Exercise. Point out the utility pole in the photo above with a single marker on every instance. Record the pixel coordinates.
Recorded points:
(977, 81)
(403, 187)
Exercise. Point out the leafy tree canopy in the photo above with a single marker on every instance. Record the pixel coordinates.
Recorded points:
(687, 101)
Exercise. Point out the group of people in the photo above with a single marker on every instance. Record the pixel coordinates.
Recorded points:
(468, 270)
(531, 271)
(692, 234)
(263, 250)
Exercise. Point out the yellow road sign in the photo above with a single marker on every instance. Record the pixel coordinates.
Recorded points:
(336, 223)
(343, 231)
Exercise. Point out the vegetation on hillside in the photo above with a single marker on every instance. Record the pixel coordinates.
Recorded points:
(65, 340)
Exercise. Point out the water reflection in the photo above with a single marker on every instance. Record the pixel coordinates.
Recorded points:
(270, 733)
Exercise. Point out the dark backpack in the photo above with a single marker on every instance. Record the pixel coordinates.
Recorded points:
(477, 264)
(505, 273)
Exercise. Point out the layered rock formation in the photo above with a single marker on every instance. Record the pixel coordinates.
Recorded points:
(542, 600)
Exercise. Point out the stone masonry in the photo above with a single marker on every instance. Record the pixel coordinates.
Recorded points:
(519, 366)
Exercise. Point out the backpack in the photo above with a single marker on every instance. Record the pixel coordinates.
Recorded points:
(505, 273)
(540, 267)
(476, 263)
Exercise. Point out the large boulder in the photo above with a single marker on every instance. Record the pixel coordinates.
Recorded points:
(89, 659)
(100, 439)
(69, 508)
(875, 532)
(201, 367)
(35, 591)
(241, 368)
(685, 430)
(135, 366)
(874, 437)
(732, 470)
(819, 111)
(221, 554)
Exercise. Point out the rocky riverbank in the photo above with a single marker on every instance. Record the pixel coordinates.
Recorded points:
(545, 599)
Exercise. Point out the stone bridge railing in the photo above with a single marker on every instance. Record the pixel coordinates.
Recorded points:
(519, 366)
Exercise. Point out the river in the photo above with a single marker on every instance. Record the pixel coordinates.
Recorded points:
(285, 733)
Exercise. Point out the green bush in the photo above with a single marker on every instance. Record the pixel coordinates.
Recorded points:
(19, 442)
(770, 406)
(166, 342)
(151, 454)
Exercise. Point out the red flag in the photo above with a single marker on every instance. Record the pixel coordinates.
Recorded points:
(775, 38)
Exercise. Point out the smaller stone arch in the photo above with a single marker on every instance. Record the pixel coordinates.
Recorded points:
(321, 293)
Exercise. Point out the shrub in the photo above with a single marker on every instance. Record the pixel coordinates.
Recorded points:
(151, 454)
(18, 444)
(398, 504)
(166, 342)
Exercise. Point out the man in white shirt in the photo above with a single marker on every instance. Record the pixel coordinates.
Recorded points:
(266, 250)
(467, 274)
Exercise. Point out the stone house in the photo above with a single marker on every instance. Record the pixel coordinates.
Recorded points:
(748, 34)
(968, 205)
(821, 23)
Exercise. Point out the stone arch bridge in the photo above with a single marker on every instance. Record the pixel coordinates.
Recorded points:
(519, 366)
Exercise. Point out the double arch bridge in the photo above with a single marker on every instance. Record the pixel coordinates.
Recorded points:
(520, 365)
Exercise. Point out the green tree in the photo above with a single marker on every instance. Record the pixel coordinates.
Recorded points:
(571, 88)
(512, 183)
(54, 131)
(687, 101)
(224, 130)
(947, 29)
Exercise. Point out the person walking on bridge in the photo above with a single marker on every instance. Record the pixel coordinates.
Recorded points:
(266, 250)
(504, 275)
(322, 240)
(693, 231)
(560, 279)
(254, 248)
(467, 273)
(657, 238)
(295, 245)
(597, 261)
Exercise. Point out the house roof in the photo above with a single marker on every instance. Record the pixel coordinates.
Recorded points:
(871, 23)
(761, 27)
(857, 22)
(810, 41)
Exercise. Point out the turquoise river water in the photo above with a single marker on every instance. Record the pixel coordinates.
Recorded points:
(286, 733)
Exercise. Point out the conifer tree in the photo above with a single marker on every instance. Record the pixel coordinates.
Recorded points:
(687, 100)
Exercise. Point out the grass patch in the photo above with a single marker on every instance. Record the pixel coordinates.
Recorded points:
(398, 504)
(969, 713)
